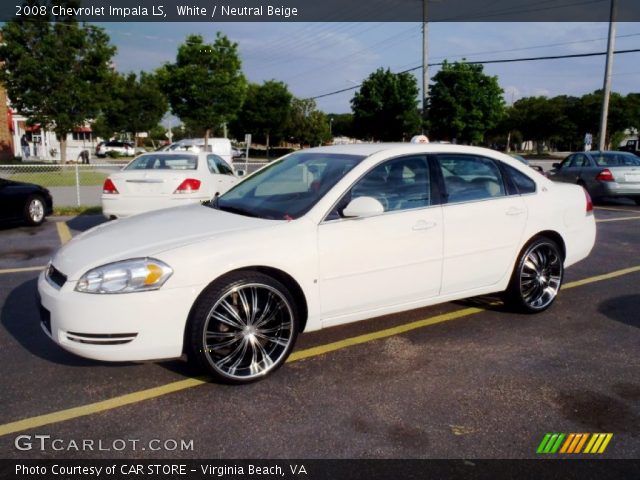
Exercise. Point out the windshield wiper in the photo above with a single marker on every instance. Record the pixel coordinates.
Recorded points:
(238, 210)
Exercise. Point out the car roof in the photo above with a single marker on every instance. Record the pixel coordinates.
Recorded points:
(369, 149)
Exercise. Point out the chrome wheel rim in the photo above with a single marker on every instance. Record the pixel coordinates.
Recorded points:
(248, 331)
(541, 276)
(36, 210)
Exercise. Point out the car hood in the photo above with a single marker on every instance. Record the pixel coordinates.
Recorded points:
(147, 235)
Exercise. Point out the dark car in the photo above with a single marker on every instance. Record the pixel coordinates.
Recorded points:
(602, 174)
(26, 202)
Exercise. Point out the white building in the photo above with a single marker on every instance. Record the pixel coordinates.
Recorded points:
(43, 144)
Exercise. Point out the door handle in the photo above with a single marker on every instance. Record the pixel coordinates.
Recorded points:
(423, 225)
(515, 211)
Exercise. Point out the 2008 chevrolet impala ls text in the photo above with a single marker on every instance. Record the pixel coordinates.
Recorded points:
(321, 237)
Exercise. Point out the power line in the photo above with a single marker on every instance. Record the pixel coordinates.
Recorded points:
(485, 62)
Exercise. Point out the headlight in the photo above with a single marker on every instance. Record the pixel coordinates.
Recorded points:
(136, 275)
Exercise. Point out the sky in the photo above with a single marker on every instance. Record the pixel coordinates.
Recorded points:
(318, 58)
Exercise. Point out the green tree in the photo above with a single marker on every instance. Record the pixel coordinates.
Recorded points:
(536, 118)
(265, 111)
(205, 86)
(55, 70)
(464, 103)
(342, 124)
(137, 105)
(307, 125)
(386, 106)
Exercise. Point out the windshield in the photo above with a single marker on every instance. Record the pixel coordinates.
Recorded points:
(178, 161)
(288, 188)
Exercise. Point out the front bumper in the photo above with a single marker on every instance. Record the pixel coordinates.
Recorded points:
(119, 327)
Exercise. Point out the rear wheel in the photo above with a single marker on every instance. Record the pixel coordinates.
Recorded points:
(537, 277)
(243, 327)
(34, 210)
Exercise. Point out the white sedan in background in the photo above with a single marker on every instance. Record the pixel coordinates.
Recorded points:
(165, 179)
(321, 237)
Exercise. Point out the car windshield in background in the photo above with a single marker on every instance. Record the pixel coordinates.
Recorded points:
(616, 159)
(289, 188)
(164, 162)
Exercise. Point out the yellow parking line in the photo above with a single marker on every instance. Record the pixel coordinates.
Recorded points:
(617, 219)
(616, 209)
(63, 232)
(135, 397)
(600, 278)
(24, 269)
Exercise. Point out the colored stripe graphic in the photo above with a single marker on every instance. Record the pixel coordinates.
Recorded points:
(572, 443)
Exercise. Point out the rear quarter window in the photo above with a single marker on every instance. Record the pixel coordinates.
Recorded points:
(523, 183)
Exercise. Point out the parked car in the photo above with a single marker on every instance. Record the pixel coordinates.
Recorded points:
(24, 202)
(165, 179)
(237, 153)
(318, 238)
(602, 174)
(521, 159)
(123, 148)
(219, 146)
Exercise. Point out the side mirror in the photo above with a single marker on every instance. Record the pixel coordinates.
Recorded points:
(363, 207)
(240, 173)
(556, 166)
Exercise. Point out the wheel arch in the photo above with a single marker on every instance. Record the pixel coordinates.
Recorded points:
(287, 280)
(552, 235)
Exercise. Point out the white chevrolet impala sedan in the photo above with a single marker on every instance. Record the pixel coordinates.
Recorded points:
(165, 179)
(321, 237)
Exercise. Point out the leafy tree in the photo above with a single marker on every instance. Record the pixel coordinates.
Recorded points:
(464, 103)
(632, 110)
(55, 70)
(137, 105)
(386, 106)
(342, 124)
(205, 86)
(307, 125)
(265, 111)
(536, 118)
(586, 114)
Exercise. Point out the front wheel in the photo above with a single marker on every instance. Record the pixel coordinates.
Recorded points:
(243, 327)
(34, 210)
(537, 277)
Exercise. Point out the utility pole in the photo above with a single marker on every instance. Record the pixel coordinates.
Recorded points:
(606, 89)
(425, 58)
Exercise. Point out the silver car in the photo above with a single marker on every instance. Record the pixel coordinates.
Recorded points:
(602, 174)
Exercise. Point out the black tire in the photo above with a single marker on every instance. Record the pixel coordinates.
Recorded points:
(34, 210)
(537, 276)
(242, 328)
(637, 200)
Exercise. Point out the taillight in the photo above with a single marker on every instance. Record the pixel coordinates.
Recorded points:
(589, 201)
(109, 187)
(188, 186)
(605, 176)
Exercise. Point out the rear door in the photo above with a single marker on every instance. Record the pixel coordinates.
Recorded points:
(483, 224)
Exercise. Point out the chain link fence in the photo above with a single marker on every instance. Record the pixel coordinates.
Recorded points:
(77, 184)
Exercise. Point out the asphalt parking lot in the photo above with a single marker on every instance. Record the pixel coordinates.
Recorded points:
(459, 380)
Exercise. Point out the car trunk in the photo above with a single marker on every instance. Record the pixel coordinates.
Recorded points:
(150, 182)
(626, 175)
